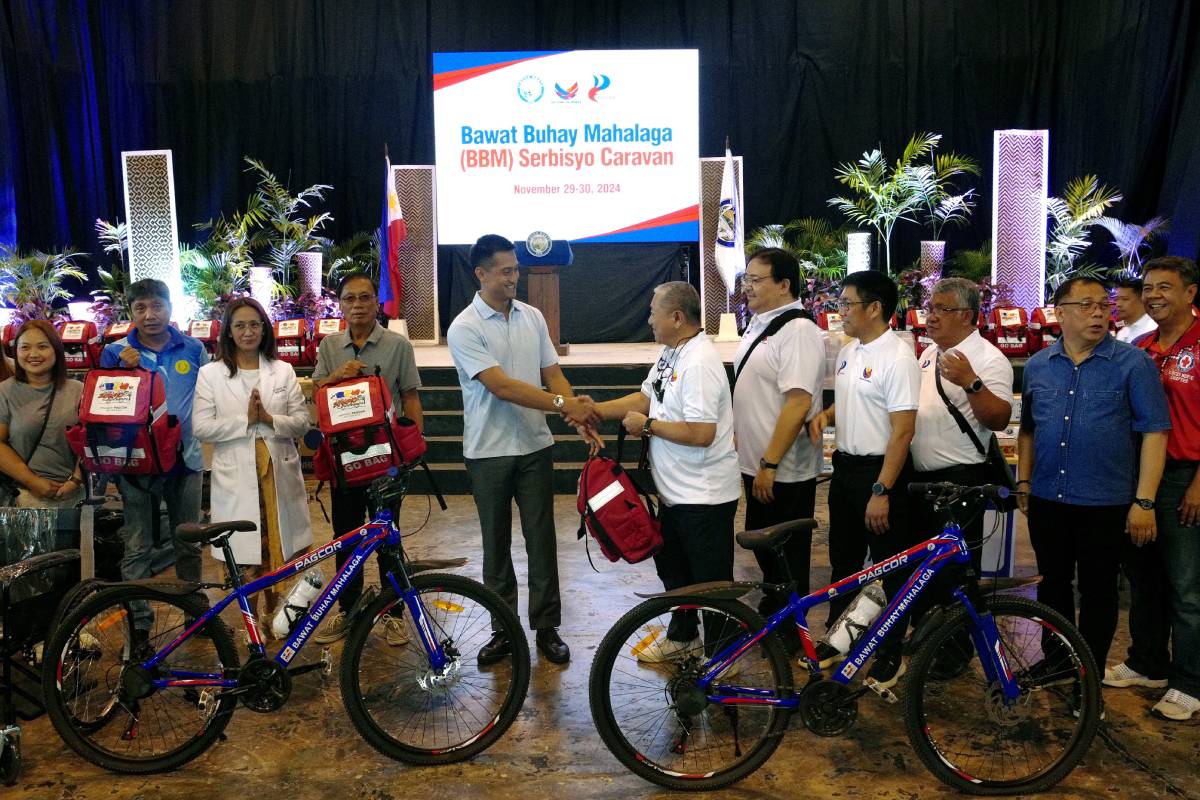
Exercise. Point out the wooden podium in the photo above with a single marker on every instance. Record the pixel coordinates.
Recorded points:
(543, 295)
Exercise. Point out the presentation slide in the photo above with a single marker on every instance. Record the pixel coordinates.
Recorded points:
(585, 145)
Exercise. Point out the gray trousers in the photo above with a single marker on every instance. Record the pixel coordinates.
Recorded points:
(529, 479)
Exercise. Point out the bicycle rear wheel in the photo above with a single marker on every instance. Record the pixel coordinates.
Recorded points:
(412, 713)
(92, 680)
(965, 733)
(656, 720)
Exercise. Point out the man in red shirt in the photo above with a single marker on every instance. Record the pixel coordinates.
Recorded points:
(1164, 574)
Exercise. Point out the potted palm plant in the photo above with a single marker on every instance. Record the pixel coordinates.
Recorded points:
(32, 283)
(286, 235)
(1081, 207)
(940, 202)
(1130, 239)
(110, 303)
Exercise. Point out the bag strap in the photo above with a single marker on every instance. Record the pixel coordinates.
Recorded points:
(42, 430)
(963, 425)
(773, 327)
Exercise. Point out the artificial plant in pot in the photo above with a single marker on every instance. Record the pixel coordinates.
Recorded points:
(884, 193)
(1081, 208)
(31, 283)
(287, 234)
(941, 204)
(111, 303)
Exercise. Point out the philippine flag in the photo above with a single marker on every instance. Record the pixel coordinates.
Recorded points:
(729, 251)
(393, 234)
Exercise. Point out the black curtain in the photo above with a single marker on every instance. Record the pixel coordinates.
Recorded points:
(316, 88)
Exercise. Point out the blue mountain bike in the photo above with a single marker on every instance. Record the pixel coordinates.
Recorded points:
(143, 676)
(1002, 695)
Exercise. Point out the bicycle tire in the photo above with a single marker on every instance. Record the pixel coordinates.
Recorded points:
(74, 596)
(963, 738)
(644, 751)
(77, 667)
(462, 613)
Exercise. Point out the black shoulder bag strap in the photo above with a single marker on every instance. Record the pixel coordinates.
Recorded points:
(963, 425)
(992, 457)
(773, 327)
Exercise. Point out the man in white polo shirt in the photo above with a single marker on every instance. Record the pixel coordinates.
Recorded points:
(685, 414)
(1131, 313)
(502, 351)
(978, 380)
(877, 384)
(779, 375)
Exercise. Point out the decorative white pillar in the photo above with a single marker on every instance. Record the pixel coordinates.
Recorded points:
(1020, 171)
(149, 182)
(858, 251)
(262, 286)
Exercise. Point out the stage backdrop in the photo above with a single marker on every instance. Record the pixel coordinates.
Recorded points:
(584, 145)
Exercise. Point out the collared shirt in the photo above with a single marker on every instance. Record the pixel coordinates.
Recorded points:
(387, 350)
(1086, 419)
(178, 363)
(481, 338)
(939, 442)
(872, 381)
(1179, 367)
(695, 389)
(1136, 329)
(793, 358)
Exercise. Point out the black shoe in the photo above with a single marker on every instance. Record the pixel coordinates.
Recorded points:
(553, 647)
(827, 655)
(494, 651)
(886, 669)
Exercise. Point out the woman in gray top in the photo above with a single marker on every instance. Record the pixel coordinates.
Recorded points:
(40, 460)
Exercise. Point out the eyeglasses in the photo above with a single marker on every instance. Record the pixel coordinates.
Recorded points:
(357, 299)
(242, 327)
(844, 305)
(1088, 306)
(937, 311)
(750, 281)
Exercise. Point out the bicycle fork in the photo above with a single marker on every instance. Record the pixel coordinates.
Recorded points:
(992, 653)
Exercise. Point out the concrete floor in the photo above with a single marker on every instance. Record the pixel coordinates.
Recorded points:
(309, 749)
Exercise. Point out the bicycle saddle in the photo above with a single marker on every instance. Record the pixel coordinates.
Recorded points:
(202, 534)
(775, 535)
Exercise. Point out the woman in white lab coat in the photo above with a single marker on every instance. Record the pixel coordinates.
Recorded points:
(248, 404)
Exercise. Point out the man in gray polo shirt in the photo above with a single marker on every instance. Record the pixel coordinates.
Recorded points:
(503, 354)
(364, 346)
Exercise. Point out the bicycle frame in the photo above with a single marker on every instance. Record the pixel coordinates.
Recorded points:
(931, 556)
(365, 540)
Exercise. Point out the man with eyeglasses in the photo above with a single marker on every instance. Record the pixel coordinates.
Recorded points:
(1092, 444)
(1164, 573)
(362, 348)
(877, 385)
(779, 378)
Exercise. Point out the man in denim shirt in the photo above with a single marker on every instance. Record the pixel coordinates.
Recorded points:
(1092, 446)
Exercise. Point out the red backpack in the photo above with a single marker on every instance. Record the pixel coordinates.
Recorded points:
(618, 513)
(362, 436)
(123, 424)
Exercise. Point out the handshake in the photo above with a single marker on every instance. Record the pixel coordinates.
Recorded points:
(580, 412)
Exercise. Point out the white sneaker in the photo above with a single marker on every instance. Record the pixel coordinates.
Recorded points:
(1121, 676)
(1177, 706)
(335, 629)
(395, 635)
(658, 649)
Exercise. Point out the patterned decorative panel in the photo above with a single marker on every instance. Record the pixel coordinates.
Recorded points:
(714, 296)
(1020, 171)
(150, 214)
(418, 255)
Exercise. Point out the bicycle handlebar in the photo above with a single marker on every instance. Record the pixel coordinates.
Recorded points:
(988, 490)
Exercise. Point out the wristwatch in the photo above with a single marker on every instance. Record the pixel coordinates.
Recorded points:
(975, 386)
(646, 432)
(879, 490)
(764, 464)
(559, 401)
(1144, 503)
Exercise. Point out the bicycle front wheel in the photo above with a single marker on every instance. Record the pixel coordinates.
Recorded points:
(969, 736)
(657, 721)
(413, 713)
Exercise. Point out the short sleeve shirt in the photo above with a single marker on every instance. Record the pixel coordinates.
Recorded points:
(481, 338)
(1086, 418)
(792, 358)
(1136, 330)
(387, 350)
(22, 409)
(695, 388)
(1179, 367)
(870, 382)
(939, 442)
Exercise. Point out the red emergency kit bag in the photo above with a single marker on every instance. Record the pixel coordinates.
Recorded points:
(207, 332)
(290, 342)
(612, 507)
(81, 344)
(362, 436)
(123, 424)
(322, 328)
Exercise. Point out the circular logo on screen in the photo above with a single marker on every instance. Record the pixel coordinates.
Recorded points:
(539, 243)
(530, 88)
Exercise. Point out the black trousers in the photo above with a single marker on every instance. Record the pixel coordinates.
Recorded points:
(1084, 540)
(350, 511)
(697, 547)
(792, 501)
(849, 539)
(529, 479)
(1149, 611)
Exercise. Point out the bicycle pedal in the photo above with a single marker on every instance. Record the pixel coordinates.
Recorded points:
(887, 695)
(327, 662)
(204, 701)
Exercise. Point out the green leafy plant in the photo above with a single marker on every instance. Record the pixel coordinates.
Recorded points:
(1081, 207)
(31, 283)
(111, 303)
(1131, 239)
(286, 231)
(884, 193)
(971, 264)
(934, 184)
(359, 253)
(212, 276)
(818, 246)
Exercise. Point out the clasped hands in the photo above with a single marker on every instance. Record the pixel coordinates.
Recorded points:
(256, 412)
